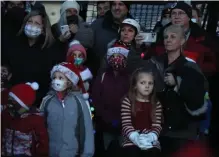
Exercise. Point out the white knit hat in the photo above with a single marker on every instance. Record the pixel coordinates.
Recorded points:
(69, 4)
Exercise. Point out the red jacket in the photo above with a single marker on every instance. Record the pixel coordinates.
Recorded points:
(199, 46)
(26, 134)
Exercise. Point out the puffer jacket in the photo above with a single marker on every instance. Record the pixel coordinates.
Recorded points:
(69, 125)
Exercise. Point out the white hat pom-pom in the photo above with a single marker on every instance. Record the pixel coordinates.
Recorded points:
(86, 96)
(35, 85)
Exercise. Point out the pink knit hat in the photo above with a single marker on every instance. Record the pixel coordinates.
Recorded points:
(77, 47)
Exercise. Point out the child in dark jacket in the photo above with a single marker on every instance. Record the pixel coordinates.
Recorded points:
(67, 116)
(108, 90)
(23, 129)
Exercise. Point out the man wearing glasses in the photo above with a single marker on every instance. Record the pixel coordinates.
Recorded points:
(200, 48)
(198, 41)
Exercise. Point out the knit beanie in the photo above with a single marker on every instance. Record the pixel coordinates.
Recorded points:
(77, 47)
(24, 94)
(127, 4)
(72, 73)
(69, 4)
(183, 6)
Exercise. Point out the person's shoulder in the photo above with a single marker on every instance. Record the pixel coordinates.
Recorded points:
(97, 23)
(193, 69)
(196, 30)
(126, 100)
(76, 95)
(111, 43)
(192, 65)
(46, 100)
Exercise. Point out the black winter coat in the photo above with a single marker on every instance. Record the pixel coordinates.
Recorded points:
(31, 63)
(186, 99)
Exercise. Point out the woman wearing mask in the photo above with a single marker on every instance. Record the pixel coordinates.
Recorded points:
(32, 53)
(181, 92)
(107, 91)
(129, 29)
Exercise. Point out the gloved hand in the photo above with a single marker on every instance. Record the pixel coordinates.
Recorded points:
(145, 141)
(134, 137)
(152, 137)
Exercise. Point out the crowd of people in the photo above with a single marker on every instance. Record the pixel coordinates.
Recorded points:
(79, 89)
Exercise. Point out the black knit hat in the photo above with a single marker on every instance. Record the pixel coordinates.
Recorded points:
(183, 6)
(127, 4)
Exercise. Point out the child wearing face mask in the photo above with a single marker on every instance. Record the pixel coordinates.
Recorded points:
(5, 85)
(77, 55)
(107, 92)
(141, 115)
(67, 116)
(23, 129)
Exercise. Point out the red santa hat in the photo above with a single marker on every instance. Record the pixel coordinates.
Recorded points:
(72, 73)
(118, 49)
(24, 94)
(75, 47)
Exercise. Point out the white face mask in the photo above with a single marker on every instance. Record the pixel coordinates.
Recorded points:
(165, 21)
(32, 31)
(194, 20)
(58, 85)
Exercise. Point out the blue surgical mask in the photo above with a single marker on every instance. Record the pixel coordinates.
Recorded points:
(78, 61)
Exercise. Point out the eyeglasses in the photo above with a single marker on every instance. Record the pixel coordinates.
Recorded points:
(180, 14)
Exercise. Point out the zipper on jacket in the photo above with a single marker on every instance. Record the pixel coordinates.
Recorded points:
(63, 104)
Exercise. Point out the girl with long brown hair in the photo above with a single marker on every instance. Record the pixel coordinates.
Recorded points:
(141, 115)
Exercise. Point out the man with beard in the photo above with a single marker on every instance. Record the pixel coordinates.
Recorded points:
(199, 46)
